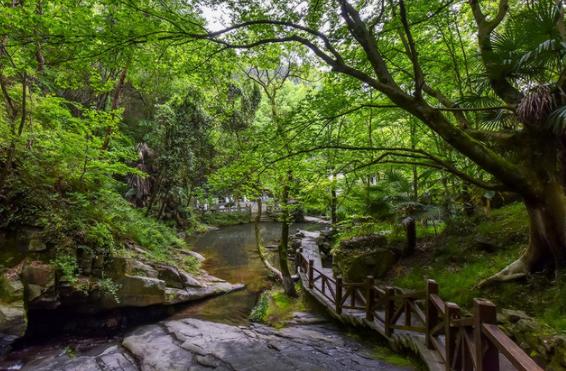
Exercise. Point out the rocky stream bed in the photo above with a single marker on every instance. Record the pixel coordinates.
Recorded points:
(168, 319)
(192, 344)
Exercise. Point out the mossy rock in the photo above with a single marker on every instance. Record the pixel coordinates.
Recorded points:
(359, 257)
(13, 318)
(374, 263)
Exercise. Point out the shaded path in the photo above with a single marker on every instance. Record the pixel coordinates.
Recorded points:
(422, 322)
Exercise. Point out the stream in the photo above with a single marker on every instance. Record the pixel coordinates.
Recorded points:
(231, 255)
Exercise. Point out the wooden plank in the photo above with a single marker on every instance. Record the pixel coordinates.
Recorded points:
(419, 329)
(462, 322)
(438, 303)
(439, 348)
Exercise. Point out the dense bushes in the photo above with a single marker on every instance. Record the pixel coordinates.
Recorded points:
(62, 180)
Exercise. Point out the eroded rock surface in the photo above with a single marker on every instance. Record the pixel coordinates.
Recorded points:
(192, 344)
(30, 281)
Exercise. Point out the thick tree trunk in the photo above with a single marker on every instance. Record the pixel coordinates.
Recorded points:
(547, 237)
(287, 281)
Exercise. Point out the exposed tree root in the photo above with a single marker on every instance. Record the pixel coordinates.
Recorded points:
(260, 250)
(516, 270)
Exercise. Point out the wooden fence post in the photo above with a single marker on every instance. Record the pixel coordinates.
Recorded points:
(311, 273)
(370, 282)
(487, 355)
(411, 230)
(452, 312)
(389, 309)
(339, 285)
(431, 312)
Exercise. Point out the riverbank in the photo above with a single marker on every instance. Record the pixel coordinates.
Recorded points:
(196, 344)
(215, 332)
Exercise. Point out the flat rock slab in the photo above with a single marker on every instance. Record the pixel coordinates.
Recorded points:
(192, 344)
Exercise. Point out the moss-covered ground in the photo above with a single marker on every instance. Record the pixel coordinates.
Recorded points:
(274, 308)
(472, 249)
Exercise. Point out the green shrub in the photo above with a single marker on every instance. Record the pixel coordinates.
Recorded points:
(107, 285)
(67, 266)
(259, 312)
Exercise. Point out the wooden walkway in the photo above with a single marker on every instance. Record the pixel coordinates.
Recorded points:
(437, 331)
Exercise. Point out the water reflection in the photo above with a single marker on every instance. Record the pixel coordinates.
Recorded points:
(231, 254)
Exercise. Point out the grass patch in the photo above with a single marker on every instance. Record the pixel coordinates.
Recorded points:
(379, 349)
(387, 355)
(274, 308)
(227, 218)
(473, 249)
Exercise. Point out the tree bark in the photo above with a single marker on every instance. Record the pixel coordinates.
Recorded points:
(547, 237)
(546, 206)
(287, 281)
(259, 244)
(118, 91)
(333, 202)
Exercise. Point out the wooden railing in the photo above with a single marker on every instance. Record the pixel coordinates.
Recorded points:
(463, 342)
(231, 209)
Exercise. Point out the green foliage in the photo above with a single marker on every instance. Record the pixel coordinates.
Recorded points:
(458, 263)
(191, 264)
(385, 354)
(226, 218)
(107, 285)
(67, 267)
(275, 308)
(259, 312)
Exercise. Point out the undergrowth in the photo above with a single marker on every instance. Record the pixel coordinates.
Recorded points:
(472, 249)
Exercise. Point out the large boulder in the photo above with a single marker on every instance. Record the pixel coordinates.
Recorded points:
(170, 275)
(29, 280)
(359, 257)
(38, 278)
(142, 284)
(364, 242)
(12, 310)
(374, 263)
(537, 339)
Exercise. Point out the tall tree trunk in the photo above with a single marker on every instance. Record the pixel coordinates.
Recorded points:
(467, 201)
(287, 281)
(259, 244)
(415, 184)
(16, 133)
(333, 202)
(116, 98)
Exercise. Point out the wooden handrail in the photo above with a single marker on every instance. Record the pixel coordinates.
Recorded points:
(512, 351)
(474, 341)
(438, 303)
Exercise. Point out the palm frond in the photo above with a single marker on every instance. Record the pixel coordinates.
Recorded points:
(556, 121)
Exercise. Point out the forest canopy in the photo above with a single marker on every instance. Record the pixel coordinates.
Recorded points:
(374, 108)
